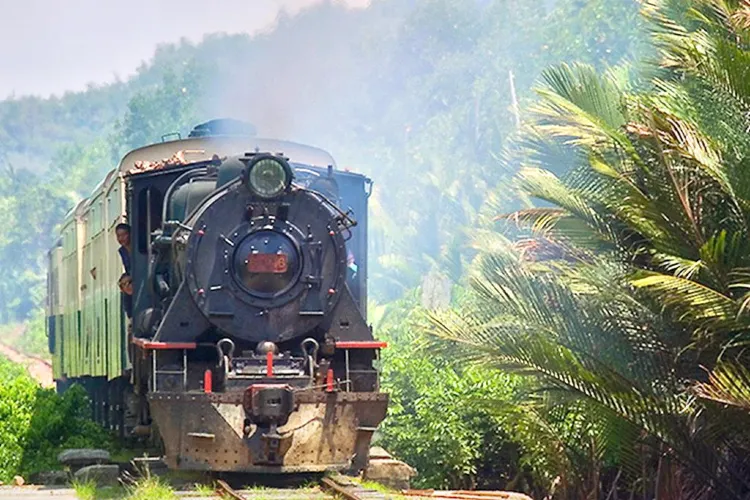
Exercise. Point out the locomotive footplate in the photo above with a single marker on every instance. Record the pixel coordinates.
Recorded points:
(270, 429)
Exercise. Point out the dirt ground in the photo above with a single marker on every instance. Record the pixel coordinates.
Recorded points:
(39, 369)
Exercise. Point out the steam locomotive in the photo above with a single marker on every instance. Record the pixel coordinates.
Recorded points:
(248, 349)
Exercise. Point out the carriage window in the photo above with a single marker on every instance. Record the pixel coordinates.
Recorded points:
(67, 242)
(91, 222)
(100, 216)
(53, 292)
(149, 207)
(113, 206)
(94, 220)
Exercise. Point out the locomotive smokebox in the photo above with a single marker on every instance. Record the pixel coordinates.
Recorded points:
(261, 260)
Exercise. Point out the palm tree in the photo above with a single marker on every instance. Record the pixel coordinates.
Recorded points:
(643, 284)
(594, 349)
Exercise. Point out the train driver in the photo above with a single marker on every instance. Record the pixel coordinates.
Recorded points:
(122, 231)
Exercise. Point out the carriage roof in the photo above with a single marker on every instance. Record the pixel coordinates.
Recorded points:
(197, 149)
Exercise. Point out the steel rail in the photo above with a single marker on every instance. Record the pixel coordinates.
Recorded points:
(341, 491)
(223, 490)
(335, 486)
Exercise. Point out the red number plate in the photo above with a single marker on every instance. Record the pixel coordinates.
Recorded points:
(274, 263)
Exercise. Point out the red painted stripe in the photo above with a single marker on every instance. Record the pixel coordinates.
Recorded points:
(147, 344)
(329, 380)
(207, 382)
(269, 364)
(358, 344)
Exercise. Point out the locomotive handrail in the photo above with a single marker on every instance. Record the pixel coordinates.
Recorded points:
(361, 344)
(345, 216)
(178, 182)
(177, 223)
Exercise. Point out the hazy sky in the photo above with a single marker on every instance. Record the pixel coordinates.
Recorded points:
(50, 46)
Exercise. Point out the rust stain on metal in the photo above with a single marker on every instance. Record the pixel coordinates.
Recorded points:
(208, 432)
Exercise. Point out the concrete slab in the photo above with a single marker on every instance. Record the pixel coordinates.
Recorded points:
(35, 492)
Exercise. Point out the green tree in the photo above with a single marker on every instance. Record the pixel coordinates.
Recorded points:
(171, 106)
(30, 209)
(433, 141)
(635, 278)
(415, 93)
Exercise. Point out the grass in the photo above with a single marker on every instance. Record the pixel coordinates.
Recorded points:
(89, 491)
(156, 488)
(150, 488)
(372, 485)
(29, 337)
(85, 490)
(205, 490)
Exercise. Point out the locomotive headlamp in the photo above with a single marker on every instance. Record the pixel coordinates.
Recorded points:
(268, 176)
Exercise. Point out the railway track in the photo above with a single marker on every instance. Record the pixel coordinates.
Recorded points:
(343, 488)
(335, 486)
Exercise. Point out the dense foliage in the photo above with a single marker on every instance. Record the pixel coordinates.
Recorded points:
(628, 297)
(36, 424)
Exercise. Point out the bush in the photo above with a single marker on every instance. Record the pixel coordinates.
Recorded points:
(60, 422)
(450, 423)
(36, 424)
(437, 424)
(17, 398)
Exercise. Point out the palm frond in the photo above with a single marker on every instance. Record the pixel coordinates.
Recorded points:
(546, 186)
(693, 303)
(678, 266)
(728, 384)
(591, 93)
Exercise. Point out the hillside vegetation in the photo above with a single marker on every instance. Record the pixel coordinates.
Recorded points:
(622, 297)
(576, 170)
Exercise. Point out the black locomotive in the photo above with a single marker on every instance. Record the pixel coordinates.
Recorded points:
(248, 349)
